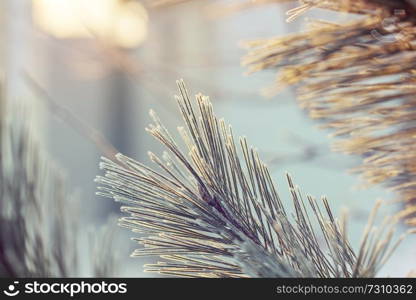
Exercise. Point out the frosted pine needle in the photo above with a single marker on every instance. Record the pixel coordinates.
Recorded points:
(213, 210)
(359, 78)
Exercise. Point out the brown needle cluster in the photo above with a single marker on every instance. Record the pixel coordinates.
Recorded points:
(358, 77)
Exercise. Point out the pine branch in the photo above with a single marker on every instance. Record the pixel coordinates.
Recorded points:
(213, 210)
(39, 236)
(358, 78)
(32, 197)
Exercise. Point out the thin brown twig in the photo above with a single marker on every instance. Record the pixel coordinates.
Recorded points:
(96, 137)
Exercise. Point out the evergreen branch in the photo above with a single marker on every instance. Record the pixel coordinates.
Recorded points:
(39, 236)
(358, 77)
(213, 210)
(36, 235)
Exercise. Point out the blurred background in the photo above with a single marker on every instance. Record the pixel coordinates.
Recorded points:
(91, 71)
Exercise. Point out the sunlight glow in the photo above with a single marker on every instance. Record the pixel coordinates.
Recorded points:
(121, 23)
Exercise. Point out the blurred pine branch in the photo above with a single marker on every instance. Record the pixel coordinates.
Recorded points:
(358, 77)
(36, 231)
(39, 230)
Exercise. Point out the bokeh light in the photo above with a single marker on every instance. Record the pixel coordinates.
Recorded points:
(120, 23)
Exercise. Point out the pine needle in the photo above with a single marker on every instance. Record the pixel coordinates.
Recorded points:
(359, 78)
(213, 210)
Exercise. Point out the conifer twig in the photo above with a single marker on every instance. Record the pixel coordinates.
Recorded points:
(39, 235)
(358, 78)
(96, 137)
(213, 210)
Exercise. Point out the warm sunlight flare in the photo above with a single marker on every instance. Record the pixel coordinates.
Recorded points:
(121, 23)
